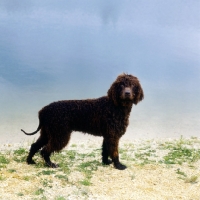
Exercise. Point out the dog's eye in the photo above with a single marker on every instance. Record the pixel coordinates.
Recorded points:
(122, 86)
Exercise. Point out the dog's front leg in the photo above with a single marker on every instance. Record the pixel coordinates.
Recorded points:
(105, 153)
(112, 146)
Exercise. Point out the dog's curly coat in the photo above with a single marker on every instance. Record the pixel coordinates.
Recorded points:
(107, 116)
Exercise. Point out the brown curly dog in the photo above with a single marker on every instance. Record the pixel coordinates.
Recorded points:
(107, 116)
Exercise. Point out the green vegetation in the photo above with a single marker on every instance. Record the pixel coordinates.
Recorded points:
(192, 179)
(20, 155)
(3, 161)
(174, 152)
(27, 178)
(85, 182)
(60, 198)
(2, 178)
(39, 191)
(47, 183)
(62, 177)
(20, 194)
(181, 173)
(11, 170)
(181, 151)
(20, 151)
(46, 172)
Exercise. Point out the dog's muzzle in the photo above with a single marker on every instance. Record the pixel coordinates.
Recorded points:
(127, 92)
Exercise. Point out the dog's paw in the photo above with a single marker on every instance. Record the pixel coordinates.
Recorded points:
(120, 166)
(107, 162)
(30, 162)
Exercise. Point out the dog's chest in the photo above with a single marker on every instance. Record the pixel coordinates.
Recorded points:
(121, 120)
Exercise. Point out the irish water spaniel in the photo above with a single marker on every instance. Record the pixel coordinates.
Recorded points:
(107, 116)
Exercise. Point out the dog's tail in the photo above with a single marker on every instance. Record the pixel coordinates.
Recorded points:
(39, 127)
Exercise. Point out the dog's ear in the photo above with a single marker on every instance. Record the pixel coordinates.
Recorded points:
(139, 94)
(112, 93)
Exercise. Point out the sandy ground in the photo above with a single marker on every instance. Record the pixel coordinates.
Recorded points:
(150, 180)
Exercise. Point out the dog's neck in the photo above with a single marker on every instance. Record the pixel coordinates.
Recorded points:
(126, 108)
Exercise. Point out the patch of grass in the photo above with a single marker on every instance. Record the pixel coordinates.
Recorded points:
(20, 194)
(47, 183)
(74, 145)
(71, 154)
(142, 155)
(65, 168)
(129, 146)
(89, 166)
(39, 191)
(47, 172)
(145, 147)
(81, 156)
(4, 160)
(145, 157)
(11, 170)
(84, 192)
(183, 176)
(39, 161)
(27, 178)
(132, 177)
(92, 154)
(86, 182)
(181, 154)
(60, 198)
(43, 198)
(85, 164)
(20, 155)
(126, 156)
(176, 152)
(63, 177)
(66, 158)
(2, 178)
(20, 151)
(121, 150)
(181, 173)
(88, 169)
(127, 152)
(192, 179)
(180, 151)
(64, 163)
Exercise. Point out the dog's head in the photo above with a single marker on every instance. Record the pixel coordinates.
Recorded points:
(126, 90)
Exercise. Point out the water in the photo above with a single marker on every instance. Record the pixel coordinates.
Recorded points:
(50, 52)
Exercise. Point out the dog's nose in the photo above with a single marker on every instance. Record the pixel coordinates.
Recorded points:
(127, 91)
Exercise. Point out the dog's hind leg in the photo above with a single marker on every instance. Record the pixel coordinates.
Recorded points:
(41, 141)
(46, 153)
(56, 144)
